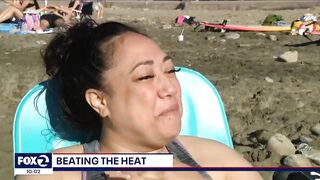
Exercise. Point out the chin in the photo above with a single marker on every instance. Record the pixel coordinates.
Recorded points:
(169, 125)
(172, 130)
(174, 135)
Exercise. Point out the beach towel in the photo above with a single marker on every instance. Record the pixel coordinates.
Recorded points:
(300, 27)
(30, 21)
(8, 27)
(30, 24)
(180, 20)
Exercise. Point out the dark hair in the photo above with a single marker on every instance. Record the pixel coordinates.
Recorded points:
(35, 4)
(75, 60)
(71, 4)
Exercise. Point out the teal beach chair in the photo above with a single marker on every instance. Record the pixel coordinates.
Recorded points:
(203, 115)
(203, 111)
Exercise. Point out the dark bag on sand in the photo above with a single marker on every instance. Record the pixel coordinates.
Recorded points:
(272, 19)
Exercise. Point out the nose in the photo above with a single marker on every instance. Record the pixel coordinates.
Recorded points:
(168, 86)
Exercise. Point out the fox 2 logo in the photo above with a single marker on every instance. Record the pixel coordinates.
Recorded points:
(315, 174)
(33, 160)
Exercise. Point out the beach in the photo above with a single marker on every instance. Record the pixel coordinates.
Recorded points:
(261, 94)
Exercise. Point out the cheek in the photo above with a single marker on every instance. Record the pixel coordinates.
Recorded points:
(141, 102)
(146, 97)
(178, 94)
(133, 107)
(178, 87)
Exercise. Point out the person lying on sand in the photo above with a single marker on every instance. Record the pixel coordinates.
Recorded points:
(57, 17)
(15, 9)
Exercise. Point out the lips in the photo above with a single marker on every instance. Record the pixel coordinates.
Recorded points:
(171, 109)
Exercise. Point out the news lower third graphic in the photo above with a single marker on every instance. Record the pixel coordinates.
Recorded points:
(33, 163)
(46, 163)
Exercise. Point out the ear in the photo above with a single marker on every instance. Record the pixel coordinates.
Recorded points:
(97, 100)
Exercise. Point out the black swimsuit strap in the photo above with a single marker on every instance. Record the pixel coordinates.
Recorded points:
(92, 147)
(181, 153)
(185, 157)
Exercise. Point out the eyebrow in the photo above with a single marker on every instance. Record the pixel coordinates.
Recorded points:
(149, 62)
(166, 58)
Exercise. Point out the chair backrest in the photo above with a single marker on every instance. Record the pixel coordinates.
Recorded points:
(203, 115)
(83, 11)
(87, 8)
(203, 111)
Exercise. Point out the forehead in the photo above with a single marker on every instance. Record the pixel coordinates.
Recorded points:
(133, 47)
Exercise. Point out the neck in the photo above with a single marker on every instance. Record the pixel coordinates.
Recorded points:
(111, 142)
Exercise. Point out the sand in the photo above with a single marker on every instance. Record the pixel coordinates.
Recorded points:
(238, 68)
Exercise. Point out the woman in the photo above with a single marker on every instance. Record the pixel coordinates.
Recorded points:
(59, 17)
(16, 8)
(124, 96)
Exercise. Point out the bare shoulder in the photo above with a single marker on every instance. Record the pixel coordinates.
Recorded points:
(212, 153)
(70, 149)
(34, 177)
(69, 175)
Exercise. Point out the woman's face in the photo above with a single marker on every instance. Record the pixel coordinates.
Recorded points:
(145, 104)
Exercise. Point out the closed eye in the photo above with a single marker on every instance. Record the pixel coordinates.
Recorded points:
(174, 70)
(146, 77)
